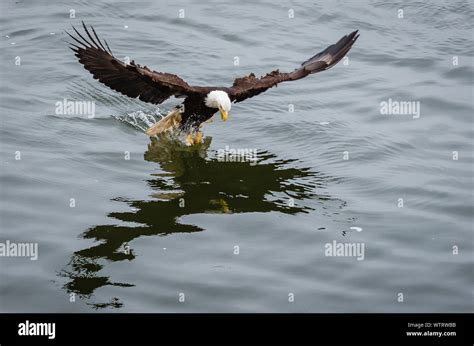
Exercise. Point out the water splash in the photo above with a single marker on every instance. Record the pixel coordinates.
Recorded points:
(143, 120)
(139, 119)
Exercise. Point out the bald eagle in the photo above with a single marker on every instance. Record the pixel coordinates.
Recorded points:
(200, 102)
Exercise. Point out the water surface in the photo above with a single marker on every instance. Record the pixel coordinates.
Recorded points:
(153, 220)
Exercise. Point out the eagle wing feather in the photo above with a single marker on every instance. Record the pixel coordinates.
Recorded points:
(131, 79)
(250, 86)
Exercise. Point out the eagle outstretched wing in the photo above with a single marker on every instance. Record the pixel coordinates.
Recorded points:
(131, 79)
(155, 87)
(250, 86)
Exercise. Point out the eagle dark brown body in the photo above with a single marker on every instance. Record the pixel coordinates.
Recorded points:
(200, 103)
(195, 112)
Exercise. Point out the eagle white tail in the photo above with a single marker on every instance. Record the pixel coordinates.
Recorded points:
(169, 123)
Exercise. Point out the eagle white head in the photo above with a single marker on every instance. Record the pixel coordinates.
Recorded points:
(220, 100)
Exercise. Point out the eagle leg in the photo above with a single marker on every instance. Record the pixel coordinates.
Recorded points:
(189, 139)
(193, 138)
(198, 137)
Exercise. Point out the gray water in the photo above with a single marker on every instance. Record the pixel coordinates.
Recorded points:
(113, 233)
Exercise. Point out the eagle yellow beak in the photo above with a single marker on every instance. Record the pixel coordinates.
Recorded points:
(223, 114)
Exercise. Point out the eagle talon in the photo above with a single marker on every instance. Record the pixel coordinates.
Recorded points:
(189, 139)
(198, 138)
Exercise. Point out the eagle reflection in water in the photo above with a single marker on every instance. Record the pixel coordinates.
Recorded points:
(207, 185)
